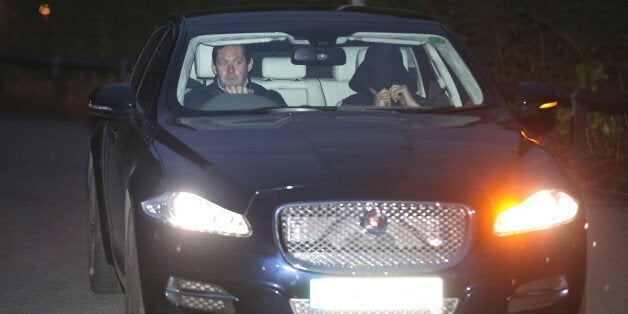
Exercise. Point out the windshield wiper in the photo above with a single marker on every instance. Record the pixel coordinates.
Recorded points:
(289, 109)
(452, 109)
(437, 110)
(434, 110)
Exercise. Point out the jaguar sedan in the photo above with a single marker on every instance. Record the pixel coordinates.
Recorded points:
(328, 160)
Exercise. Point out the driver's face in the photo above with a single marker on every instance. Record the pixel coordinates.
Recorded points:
(231, 66)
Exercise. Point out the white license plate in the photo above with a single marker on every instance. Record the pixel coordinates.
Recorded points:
(376, 293)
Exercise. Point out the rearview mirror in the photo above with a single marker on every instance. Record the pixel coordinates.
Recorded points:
(319, 56)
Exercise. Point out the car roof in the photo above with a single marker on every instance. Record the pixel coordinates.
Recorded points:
(304, 13)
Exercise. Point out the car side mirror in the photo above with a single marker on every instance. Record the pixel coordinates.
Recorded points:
(533, 106)
(114, 101)
(533, 98)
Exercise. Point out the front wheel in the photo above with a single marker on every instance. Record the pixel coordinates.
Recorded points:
(102, 275)
(133, 301)
(583, 303)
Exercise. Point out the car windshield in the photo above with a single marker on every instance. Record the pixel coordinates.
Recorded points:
(361, 69)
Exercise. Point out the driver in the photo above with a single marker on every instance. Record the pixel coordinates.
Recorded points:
(232, 65)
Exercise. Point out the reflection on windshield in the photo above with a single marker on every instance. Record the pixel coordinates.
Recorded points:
(380, 70)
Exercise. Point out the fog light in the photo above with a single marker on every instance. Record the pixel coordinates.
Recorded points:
(538, 294)
(199, 296)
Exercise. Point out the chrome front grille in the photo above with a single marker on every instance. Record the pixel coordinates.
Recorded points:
(302, 306)
(371, 236)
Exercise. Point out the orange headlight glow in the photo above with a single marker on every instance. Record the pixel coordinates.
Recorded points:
(548, 105)
(529, 138)
(542, 210)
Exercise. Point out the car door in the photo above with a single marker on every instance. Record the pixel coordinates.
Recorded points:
(126, 139)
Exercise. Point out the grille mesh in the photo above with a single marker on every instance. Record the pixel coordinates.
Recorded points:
(330, 236)
(302, 306)
(200, 296)
(196, 286)
(202, 304)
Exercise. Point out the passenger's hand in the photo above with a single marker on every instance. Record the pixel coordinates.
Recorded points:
(382, 98)
(239, 90)
(402, 95)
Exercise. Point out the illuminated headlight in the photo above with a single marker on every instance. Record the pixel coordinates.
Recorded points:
(192, 212)
(544, 209)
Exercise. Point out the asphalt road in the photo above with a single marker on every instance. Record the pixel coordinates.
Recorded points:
(43, 234)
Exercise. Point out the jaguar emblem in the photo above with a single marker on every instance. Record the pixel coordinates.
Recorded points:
(374, 222)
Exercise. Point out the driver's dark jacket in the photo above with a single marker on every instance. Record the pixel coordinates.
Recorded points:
(198, 94)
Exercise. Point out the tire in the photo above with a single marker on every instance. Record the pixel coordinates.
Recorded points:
(133, 301)
(102, 275)
(583, 304)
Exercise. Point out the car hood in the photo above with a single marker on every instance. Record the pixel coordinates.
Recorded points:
(299, 149)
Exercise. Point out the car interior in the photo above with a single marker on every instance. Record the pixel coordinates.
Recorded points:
(441, 75)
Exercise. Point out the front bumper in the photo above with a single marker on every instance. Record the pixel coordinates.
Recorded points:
(540, 271)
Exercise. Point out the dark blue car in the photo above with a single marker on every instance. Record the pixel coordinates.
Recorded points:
(301, 197)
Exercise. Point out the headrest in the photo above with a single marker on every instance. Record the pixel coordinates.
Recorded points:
(281, 68)
(362, 53)
(203, 61)
(345, 72)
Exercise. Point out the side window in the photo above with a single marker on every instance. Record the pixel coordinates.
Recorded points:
(145, 56)
(155, 71)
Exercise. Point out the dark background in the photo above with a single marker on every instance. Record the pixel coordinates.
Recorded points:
(580, 44)
(48, 66)
(49, 63)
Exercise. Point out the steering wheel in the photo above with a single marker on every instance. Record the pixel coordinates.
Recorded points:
(238, 102)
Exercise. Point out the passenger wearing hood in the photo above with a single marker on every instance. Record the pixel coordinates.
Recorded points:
(382, 80)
